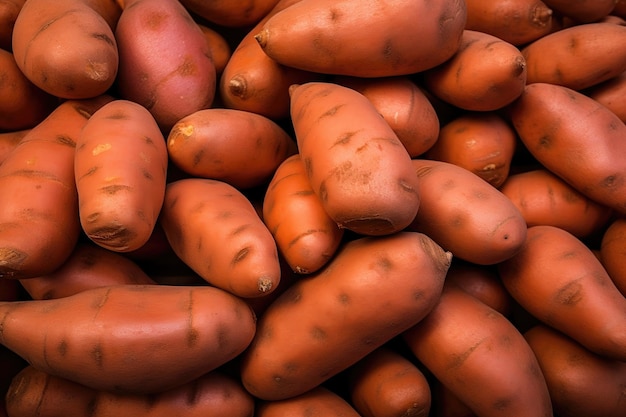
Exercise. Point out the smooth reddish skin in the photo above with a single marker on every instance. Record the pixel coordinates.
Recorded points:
(355, 162)
(214, 394)
(238, 147)
(231, 13)
(561, 282)
(374, 288)
(465, 214)
(39, 176)
(613, 252)
(318, 402)
(305, 234)
(555, 123)
(120, 167)
(216, 231)
(544, 198)
(89, 266)
(387, 384)
(610, 93)
(130, 338)
(178, 79)
(480, 356)
(66, 47)
(580, 382)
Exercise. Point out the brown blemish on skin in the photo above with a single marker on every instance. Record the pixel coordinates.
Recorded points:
(459, 359)
(240, 255)
(155, 20)
(98, 356)
(318, 333)
(570, 294)
(192, 333)
(114, 189)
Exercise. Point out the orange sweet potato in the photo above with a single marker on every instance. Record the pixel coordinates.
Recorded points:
(582, 11)
(555, 123)
(305, 234)
(230, 13)
(319, 401)
(355, 162)
(120, 167)
(561, 282)
(39, 225)
(9, 140)
(326, 36)
(385, 383)
(238, 147)
(480, 356)
(516, 21)
(375, 288)
(67, 47)
(219, 46)
(613, 252)
(9, 9)
(580, 382)
(465, 214)
(481, 142)
(578, 56)
(404, 106)
(544, 198)
(214, 394)
(216, 231)
(129, 338)
(610, 93)
(486, 73)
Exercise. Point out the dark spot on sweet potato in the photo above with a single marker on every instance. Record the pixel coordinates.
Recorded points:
(115, 188)
(98, 356)
(323, 192)
(104, 37)
(344, 299)
(502, 403)
(457, 360)
(154, 20)
(318, 333)
(344, 138)
(570, 294)
(331, 112)
(240, 256)
(62, 348)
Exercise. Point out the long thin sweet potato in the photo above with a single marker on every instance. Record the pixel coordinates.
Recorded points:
(129, 338)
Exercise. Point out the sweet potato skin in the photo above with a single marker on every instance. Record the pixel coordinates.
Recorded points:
(323, 324)
(319, 401)
(130, 338)
(120, 167)
(355, 162)
(326, 36)
(554, 123)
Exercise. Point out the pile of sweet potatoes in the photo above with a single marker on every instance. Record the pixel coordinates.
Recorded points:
(265, 208)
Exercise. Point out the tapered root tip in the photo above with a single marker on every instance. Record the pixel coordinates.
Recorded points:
(261, 38)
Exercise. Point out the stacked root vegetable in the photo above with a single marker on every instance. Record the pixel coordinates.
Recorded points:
(313, 208)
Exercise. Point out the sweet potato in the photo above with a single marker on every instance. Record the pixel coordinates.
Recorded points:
(465, 214)
(129, 338)
(305, 234)
(515, 21)
(22, 104)
(230, 13)
(327, 36)
(254, 82)
(89, 266)
(178, 79)
(619, 9)
(582, 11)
(555, 123)
(238, 147)
(375, 288)
(610, 94)
(480, 356)
(214, 394)
(39, 225)
(561, 282)
(66, 47)
(354, 160)
(481, 142)
(404, 106)
(544, 198)
(613, 252)
(318, 402)
(580, 382)
(486, 73)
(385, 383)
(216, 231)
(120, 168)
(577, 57)
(219, 47)
(9, 9)
(483, 283)
(446, 403)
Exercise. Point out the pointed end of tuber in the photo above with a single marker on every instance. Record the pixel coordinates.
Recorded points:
(261, 38)
(238, 87)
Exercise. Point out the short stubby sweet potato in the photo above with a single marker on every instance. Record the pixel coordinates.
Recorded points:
(375, 288)
(486, 73)
(364, 39)
(214, 394)
(215, 230)
(178, 79)
(120, 166)
(238, 147)
(355, 162)
(555, 123)
(66, 47)
(130, 338)
(465, 214)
